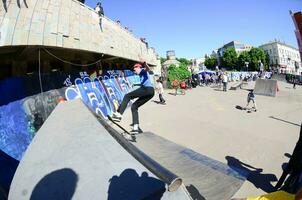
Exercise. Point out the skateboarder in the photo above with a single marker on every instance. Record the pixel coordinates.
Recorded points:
(144, 93)
(251, 97)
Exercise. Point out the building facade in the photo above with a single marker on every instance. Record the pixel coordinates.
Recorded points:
(238, 46)
(197, 65)
(283, 57)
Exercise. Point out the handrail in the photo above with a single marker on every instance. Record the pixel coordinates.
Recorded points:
(172, 180)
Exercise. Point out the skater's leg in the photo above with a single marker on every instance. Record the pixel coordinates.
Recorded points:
(149, 93)
(131, 95)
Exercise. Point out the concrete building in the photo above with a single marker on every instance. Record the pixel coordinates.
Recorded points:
(283, 57)
(65, 30)
(297, 18)
(197, 65)
(238, 46)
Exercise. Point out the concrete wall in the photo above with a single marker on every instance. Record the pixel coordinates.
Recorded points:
(68, 24)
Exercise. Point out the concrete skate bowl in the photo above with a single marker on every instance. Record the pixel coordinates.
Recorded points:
(266, 87)
(73, 156)
(24, 109)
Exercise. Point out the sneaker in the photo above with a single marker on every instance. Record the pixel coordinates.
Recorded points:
(117, 116)
(136, 131)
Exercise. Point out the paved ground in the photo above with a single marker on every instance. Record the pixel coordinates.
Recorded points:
(206, 120)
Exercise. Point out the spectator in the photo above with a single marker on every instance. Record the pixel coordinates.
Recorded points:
(293, 169)
(160, 90)
(225, 81)
(99, 9)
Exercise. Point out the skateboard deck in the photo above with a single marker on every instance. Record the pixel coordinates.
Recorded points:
(125, 132)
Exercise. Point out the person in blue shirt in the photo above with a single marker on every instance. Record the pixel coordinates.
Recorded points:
(144, 93)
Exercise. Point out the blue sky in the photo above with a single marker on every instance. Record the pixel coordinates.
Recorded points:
(194, 28)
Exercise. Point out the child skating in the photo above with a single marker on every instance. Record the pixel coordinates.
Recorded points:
(251, 97)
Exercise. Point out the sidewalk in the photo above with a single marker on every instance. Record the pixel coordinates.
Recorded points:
(206, 120)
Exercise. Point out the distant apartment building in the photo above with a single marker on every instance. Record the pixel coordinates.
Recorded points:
(297, 18)
(238, 46)
(283, 57)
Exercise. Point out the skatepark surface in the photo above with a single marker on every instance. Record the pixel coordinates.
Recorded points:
(74, 157)
(206, 121)
(218, 150)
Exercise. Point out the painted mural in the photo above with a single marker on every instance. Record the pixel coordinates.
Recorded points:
(24, 108)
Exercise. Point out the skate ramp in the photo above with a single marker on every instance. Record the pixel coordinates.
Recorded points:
(73, 156)
(266, 87)
(279, 77)
(204, 177)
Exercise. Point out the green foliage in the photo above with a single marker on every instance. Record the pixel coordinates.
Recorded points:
(178, 73)
(184, 61)
(256, 55)
(229, 58)
(162, 60)
(210, 62)
(243, 57)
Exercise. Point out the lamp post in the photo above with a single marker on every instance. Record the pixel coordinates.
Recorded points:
(261, 67)
(247, 66)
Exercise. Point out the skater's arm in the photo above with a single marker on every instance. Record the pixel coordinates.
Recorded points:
(146, 66)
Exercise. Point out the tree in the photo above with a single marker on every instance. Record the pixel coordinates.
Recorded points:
(210, 62)
(229, 58)
(178, 73)
(184, 61)
(257, 55)
(162, 60)
(243, 57)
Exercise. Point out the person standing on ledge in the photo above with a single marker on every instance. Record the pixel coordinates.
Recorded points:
(99, 9)
(144, 93)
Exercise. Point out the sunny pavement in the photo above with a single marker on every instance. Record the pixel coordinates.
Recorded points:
(206, 120)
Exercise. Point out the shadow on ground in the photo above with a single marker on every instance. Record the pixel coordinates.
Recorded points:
(194, 193)
(60, 185)
(285, 121)
(129, 185)
(253, 175)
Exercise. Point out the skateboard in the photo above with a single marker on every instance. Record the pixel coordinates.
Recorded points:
(250, 110)
(125, 132)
